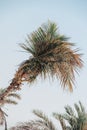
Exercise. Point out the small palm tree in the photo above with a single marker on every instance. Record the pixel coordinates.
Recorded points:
(51, 55)
(43, 123)
(75, 120)
(6, 100)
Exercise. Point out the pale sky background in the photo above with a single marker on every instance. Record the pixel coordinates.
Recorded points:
(21, 17)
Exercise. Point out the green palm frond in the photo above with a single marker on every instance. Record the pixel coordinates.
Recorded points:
(51, 55)
(15, 95)
(40, 41)
(44, 118)
(77, 108)
(60, 118)
(75, 119)
(2, 91)
(69, 110)
(82, 107)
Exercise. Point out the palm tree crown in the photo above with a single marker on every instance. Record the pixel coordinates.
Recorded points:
(51, 54)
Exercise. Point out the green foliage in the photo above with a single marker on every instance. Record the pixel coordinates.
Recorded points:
(75, 119)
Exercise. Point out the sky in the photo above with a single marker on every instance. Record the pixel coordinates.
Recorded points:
(21, 17)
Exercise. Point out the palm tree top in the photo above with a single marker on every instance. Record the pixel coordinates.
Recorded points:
(43, 39)
(51, 54)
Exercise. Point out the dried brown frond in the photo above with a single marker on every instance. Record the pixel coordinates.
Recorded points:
(15, 95)
(8, 101)
(73, 119)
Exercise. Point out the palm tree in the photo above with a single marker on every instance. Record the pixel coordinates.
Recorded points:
(51, 55)
(75, 119)
(6, 100)
(43, 123)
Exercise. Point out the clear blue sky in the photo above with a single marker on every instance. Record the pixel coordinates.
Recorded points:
(19, 18)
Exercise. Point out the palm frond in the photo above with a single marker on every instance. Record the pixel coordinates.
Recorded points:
(15, 95)
(28, 49)
(44, 118)
(2, 91)
(1, 117)
(32, 125)
(59, 117)
(82, 107)
(69, 110)
(9, 101)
